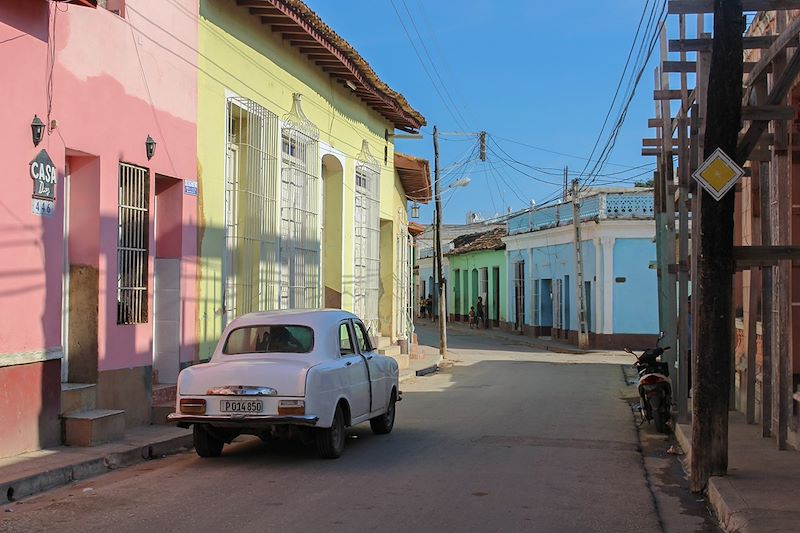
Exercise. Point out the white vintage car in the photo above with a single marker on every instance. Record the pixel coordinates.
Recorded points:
(305, 373)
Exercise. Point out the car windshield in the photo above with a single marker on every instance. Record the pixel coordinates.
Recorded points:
(269, 339)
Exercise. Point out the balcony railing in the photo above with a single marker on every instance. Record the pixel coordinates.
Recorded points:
(597, 207)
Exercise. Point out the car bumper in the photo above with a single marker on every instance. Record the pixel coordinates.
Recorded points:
(243, 421)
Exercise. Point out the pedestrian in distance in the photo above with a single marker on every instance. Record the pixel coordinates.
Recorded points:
(429, 305)
(479, 314)
(471, 316)
(423, 305)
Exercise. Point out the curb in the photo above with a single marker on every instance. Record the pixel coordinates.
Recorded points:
(527, 341)
(727, 504)
(30, 485)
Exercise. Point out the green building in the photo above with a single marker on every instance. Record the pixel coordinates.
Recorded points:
(478, 269)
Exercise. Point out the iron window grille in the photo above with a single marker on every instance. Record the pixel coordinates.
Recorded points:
(366, 290)
(250, 269)
(300, 221)
(133, 244)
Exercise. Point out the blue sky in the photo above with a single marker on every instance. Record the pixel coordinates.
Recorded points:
(533, 72)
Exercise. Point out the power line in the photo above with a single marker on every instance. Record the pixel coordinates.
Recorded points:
(425, 67)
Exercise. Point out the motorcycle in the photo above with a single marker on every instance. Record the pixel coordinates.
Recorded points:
(655, 386)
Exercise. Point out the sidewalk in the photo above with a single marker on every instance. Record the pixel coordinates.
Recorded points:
(762, 489)
(510, 337)
(426, 361)
(34, 472)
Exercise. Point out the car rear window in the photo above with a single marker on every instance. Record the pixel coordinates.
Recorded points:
(269, 339)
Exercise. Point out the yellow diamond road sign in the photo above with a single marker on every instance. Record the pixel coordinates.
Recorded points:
(718, 174)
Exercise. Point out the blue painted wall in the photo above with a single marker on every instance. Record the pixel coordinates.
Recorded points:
(556, 262)
(635, 300)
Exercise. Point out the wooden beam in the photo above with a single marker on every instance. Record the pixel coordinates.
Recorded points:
(666, 94)
(764, 256)
(786, 36)
(679, 66)
(780, 88)
(657, 142)
(651, 152)
(654, 122)
(768, 112)
(689, 7)
(704, 45)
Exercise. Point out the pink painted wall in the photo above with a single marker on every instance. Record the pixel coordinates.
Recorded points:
(116, 81)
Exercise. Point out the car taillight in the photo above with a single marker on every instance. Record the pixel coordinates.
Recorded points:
(193, 406)
(291, 407)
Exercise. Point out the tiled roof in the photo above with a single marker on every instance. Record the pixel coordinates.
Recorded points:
(474, 242)
(415, 175)
(304, 29)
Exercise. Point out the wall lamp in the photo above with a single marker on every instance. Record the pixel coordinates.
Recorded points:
(150, 147)
(415, 210)
(37, 129)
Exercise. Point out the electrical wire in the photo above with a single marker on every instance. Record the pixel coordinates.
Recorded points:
(425, 67)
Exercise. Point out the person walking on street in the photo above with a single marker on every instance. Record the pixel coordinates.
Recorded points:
(423, 306)
(429, 305)
(479, 314)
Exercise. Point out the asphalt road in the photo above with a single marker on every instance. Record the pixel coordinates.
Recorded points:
(499, 442)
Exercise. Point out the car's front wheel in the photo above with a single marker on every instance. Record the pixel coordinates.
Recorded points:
(206, 444)
(330, 441)
(383, 424)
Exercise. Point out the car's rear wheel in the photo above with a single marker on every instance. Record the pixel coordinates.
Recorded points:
(330, 441)
(383, 424)
(206, 444)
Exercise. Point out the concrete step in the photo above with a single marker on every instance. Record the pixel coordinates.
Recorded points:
(93, 427)
(160, 411)
(78, 397)
(402, 361)
(164, 393)
(384, 342)
(392, 350)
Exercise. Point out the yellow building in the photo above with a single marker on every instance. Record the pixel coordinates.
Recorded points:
(300, 203)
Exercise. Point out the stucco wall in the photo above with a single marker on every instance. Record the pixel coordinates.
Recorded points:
(115, 81)
(635, 300)
(465, 264)
(241, 56)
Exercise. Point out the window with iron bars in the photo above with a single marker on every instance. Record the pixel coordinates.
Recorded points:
(133, 243)
(300, 239)
(366, 291)
(250, 265)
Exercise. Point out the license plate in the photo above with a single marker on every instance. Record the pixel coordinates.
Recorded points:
(241, 406)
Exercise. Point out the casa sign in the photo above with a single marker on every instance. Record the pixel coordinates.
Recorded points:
(43, 173)
(718, 174)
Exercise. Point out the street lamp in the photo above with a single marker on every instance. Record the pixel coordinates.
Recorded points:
(37, 129)
(150, 147)
(415, 210)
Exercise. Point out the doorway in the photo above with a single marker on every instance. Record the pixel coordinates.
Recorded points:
(332, 187)
(496, 291)
(519, 295)
(81, 268)
(167, 279)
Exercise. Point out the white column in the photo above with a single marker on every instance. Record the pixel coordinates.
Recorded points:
(597, 284)
(608, 284)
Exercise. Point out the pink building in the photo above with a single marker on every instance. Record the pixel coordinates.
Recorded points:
(97, 271)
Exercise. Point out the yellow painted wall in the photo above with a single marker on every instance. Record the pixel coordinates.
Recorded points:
(239, 55)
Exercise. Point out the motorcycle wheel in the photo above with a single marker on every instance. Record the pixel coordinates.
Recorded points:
(660, 418)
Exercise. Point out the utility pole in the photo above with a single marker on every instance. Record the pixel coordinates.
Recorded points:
(711, 394)
(438, 247)
(566, 181)
(583, 333)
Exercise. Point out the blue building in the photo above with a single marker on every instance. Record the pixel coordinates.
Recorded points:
(617, 249)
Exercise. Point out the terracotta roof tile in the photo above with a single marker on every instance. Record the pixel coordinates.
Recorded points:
(474, 242)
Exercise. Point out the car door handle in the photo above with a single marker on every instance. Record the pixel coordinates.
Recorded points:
(348, 363)
(369, 357)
